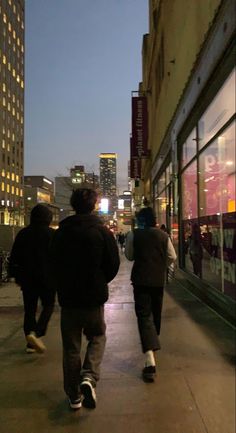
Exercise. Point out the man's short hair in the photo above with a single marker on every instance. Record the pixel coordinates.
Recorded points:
(83, 200)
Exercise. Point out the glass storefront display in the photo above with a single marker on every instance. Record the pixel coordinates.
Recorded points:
(164, 197)
(208, 195)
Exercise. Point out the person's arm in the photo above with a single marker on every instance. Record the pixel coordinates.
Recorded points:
(171, 254)
(129, 249)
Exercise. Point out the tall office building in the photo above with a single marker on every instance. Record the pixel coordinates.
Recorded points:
(108, 178)
(11, 111)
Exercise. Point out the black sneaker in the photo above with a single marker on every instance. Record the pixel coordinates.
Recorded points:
(88, 391)
(75, 404)
(148, 373)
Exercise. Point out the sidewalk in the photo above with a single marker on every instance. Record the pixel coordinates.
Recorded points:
(194, 390)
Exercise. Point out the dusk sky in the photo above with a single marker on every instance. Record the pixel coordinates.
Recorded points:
(83, 59)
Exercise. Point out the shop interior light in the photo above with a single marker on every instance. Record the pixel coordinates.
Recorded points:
(209, 178)
(229, 162)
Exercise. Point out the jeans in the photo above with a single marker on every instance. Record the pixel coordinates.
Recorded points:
(148, 308)
(74, 323)
(31, 296)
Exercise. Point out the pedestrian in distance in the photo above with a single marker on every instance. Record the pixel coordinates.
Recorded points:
(85, 259)
(121, 240)
(28, 264)
(152, 252)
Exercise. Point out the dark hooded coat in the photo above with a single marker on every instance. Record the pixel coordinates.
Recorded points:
(29, 255)
(84, 258)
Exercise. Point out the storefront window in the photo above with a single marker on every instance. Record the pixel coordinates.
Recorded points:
(189, 148)
(219, 111)
(189, 191)
(161, 203)
(217, 175)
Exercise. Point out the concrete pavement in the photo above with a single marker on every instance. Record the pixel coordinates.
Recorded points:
(194, 390)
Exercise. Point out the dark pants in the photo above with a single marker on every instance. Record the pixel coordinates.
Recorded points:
(148, 308)
(31, 298)
(74, 323)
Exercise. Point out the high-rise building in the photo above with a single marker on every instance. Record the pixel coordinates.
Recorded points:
(108, 178)
(11, 111)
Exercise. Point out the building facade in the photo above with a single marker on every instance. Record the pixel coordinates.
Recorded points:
(108, 176)
(189, 83)
(11, 111)
(39, 189)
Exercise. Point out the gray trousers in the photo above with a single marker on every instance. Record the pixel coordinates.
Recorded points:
(74, 323)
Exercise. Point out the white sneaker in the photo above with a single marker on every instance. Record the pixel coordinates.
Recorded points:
(89, 394)
(75, 404)
(29, 349)
(36, 342)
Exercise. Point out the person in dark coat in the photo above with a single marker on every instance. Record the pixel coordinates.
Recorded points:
(85, 259)
(28, 264)
(152, 251)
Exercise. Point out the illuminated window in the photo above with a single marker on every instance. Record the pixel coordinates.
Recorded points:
(9, 27)
(4, 18)
(17, 191)
(8, 175)
(9, 106)
(13, 176)
(3, 172)
(13, 72)
(8, 187)
(4, 101)
(3, 186)
(3, 144)
(14, 34)
(4, 59)
(17, 178)
(4, 88)
(21, 192)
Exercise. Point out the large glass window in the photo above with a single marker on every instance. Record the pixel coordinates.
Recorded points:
(189, 191)
(219, 111)
(208, 187)
(189, 148)
(217, 174)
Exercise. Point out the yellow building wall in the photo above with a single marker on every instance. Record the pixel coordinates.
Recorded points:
(183, 24)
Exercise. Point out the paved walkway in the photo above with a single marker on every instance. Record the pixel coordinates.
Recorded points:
(194, 391)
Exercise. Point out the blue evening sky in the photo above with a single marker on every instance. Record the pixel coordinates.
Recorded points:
(83, 59)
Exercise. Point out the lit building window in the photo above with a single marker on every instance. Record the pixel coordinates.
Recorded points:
(4, 101)
(8, 187)
(3, 186)
(3, 144)
(13, 189)
(3, 172)
(13, 176)
(4, 18)
(4, 87)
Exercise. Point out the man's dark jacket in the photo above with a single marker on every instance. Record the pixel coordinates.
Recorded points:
(84, 258)
(29, 256)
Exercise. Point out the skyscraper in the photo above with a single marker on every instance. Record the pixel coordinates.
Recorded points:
(11, 111)
(108, 178)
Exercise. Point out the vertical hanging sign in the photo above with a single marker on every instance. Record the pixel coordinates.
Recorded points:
(135, 163)
(139, 126)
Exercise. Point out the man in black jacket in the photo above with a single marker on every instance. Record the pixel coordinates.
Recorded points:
(28, 264)
(84, 258)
